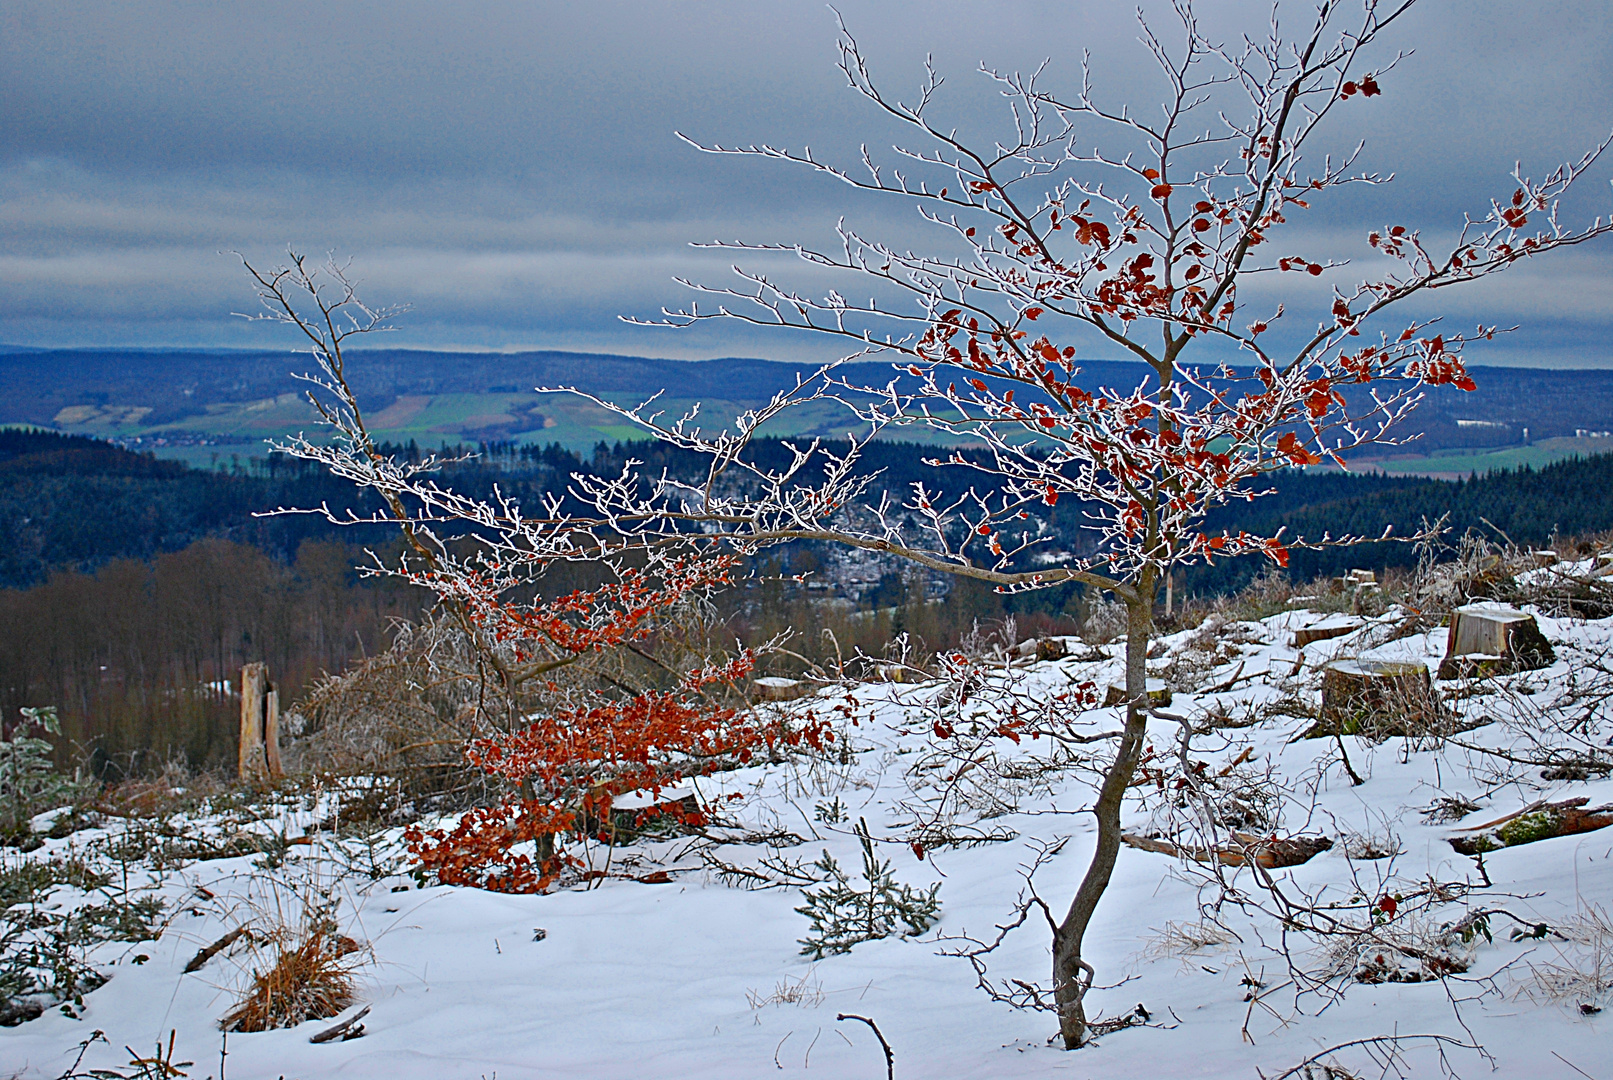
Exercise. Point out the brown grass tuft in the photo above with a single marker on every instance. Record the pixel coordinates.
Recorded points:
(311, 979)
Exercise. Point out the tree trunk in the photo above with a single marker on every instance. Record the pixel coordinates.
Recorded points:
(1072, 975)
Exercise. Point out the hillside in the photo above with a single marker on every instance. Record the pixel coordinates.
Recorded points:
(662, 957)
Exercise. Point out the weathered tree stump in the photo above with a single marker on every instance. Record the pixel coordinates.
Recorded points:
(1376, 699)
(1041, 649)
(1489, 639)
(775, 688)
(258, 753)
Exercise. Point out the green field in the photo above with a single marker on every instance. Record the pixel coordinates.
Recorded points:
(434, 420)
(1452, 463)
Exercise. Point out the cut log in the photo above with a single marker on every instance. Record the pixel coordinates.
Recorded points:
(1376, 699)
(1487, 639)
(774, 688)
(1159, 695)
(1041, 649)
(1267, 851)
(1325, 630)
(1537, 821)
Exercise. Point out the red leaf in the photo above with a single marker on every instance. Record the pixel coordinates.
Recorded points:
(1160, 191)
(1033, 313)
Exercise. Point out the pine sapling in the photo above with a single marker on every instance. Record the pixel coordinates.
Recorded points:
(842, 916)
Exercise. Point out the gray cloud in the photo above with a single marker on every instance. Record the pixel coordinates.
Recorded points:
(509, 169)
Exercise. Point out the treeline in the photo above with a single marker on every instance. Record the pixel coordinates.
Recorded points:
(1526, 506)
(72, 503)
(143, 657)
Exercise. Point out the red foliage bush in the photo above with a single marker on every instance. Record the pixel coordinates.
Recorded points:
(567, 767)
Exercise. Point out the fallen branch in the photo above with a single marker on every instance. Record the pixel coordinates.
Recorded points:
(1538, 821)
(1383, 1049)
(202, 957)
(337, 1030)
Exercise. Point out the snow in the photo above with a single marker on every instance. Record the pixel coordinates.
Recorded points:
(669, 980)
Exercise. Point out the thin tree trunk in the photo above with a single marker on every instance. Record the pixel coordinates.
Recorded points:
(1072, 975)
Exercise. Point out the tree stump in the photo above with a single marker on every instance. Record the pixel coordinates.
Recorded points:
(1041, 649)
(251, 766)
(1489, 639)
(258, 752)
(1376, 699)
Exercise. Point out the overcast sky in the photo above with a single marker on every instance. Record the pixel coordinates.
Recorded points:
(510, 169)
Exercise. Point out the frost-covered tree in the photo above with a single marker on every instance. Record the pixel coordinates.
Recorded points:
(1151, 244)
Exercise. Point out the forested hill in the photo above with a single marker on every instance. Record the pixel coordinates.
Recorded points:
(69, 502)
(1525, 505)
(73, 503)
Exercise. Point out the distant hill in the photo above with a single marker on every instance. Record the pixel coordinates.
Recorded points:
(74, 503)
(184, 398)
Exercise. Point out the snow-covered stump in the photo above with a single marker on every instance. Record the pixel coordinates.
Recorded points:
(1491, 638)
(1376, 699)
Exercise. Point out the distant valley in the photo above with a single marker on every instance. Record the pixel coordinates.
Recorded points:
(208, 407)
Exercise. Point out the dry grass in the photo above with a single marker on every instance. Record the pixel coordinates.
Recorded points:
(806, 992)
(1582, 972)
(1178, 941)
(311, 978)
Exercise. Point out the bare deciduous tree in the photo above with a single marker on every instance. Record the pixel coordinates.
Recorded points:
(1149, 246)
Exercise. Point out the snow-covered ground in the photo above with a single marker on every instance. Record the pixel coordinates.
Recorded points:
(674, 979)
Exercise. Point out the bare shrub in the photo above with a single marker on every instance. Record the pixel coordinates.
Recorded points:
(1181, 940)
(1372, 846)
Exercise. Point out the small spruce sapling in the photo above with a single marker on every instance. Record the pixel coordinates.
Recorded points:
(29, 782)
(843, 916)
